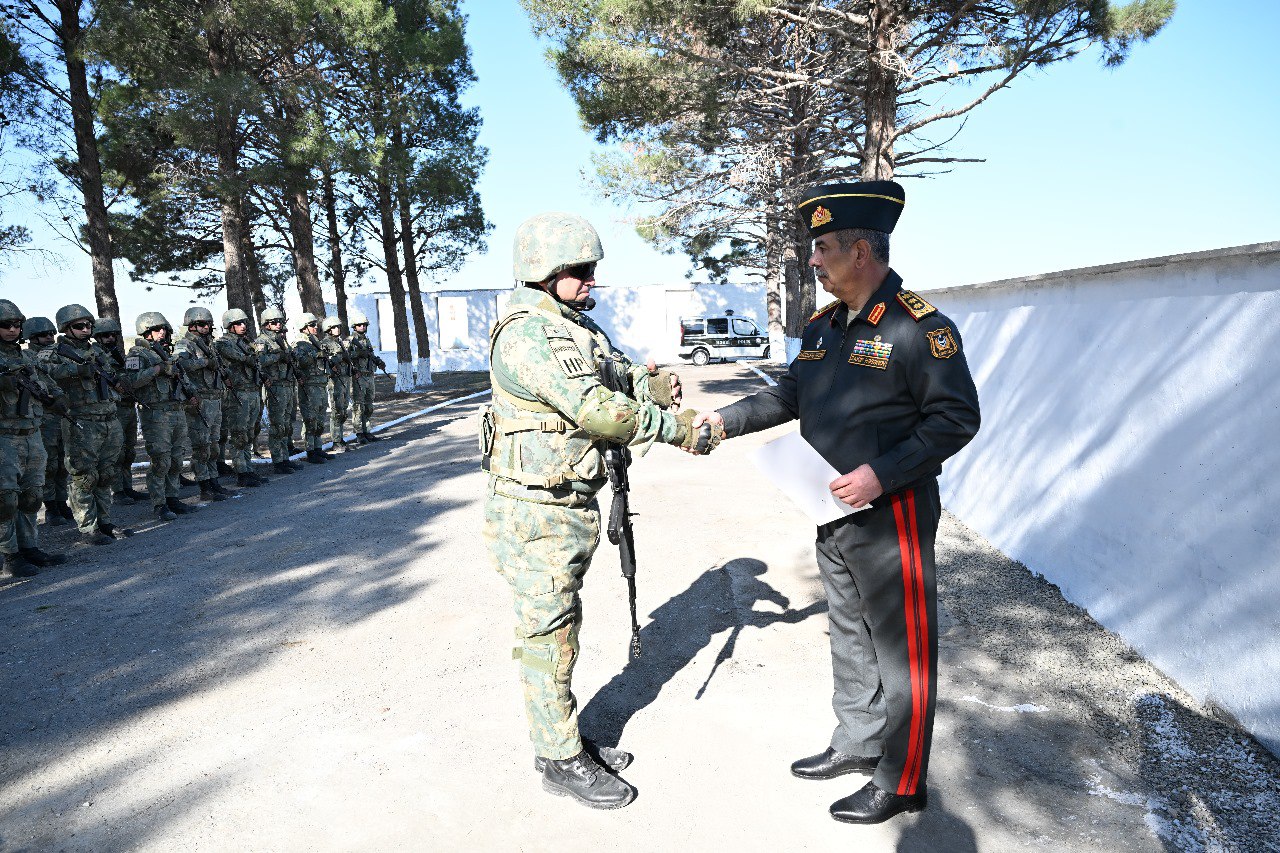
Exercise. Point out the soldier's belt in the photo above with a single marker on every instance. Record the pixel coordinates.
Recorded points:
(166, 404)
(509, 426)
(93, 416)
(556, 481)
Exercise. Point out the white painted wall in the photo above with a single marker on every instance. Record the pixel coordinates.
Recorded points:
(1130, 452)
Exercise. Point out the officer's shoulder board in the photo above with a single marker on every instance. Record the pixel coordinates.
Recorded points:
(827, 310)
(915, 306)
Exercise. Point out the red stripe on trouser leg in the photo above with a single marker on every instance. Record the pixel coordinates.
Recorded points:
(913, 653)
(922, 621)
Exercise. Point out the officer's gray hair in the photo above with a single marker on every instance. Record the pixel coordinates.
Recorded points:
(878, 240)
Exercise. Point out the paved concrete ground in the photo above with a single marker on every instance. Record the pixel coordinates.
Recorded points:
(323, 664)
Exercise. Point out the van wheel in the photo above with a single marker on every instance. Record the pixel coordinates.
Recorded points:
(765, 354)
(701, 357)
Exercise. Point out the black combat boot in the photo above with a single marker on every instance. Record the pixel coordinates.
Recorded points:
(360, 438)
(587, 782)
(66, 512)
(343, 446)
(185, 482)
(163, 513)
(284, 468)
(294, 449)
(113, 531)
(43, 559)
(97, 537)
(316, 457)
(225, 470)
(134, 495)
(296, 466)
(607, 756)
(53, 514)
(216, 486)
(18, 566)
(178, 506)
(369, 436)
(208, 492)
(248, 479)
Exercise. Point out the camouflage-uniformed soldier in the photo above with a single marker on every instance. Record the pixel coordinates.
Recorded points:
(109, 336)
(542, 439)
(204, 368)
(279, 378)
(83, 371)
(40, 333)
(242, 408)
(364, 363)
(335, 349)
(159, 385)
(22, 454)
(313, 382)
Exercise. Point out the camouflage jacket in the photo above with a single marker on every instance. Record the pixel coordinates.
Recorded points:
(313, 365)
(550, 366)
(144, 371)
(202, 364)
(115, 355)
(88, 393)
(339, 357)
(18, 409)
(33, 356)
(237, 353)
(275, 358)
(363, 360)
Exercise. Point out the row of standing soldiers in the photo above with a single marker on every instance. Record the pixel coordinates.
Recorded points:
(72, 402)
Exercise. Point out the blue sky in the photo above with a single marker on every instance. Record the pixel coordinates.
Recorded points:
(1171, 152)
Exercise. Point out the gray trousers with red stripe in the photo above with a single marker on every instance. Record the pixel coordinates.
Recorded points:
(877, 567)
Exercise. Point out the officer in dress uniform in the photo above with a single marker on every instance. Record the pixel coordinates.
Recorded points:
(882, 390)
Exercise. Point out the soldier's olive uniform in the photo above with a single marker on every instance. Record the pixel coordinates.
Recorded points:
(204, 368)
(127, 414)
(335, 349)
(157, 383)
(279, 377)
(93, 449)
(242, 407)
(56, 478)
(313, 382)
(542, 444)
(364, 363)
(22, 452)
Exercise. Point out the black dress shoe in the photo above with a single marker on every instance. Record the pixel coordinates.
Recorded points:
(830, 764)
(615, 759)
(43, 559)
(873, 805)
(587, 782)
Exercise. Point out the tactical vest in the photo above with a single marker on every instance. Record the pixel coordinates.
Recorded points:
(33, 357)
(313, 363)
(115, 356)
(339, 358)
(86, 395)
(526, 445)
(280, 369)
(18, 411)
(361, 349)
(242, 374)
(164, 391)
(207, 379)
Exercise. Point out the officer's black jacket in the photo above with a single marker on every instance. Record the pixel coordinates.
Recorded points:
(890, 390)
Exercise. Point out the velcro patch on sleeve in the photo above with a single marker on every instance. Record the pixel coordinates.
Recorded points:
(133, 363)
(916, 307)
(943, 342)
(566, 352)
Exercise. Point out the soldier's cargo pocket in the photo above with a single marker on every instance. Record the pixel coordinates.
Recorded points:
(538, 583)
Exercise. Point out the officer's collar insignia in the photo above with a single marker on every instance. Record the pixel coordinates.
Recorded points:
(871, 354)
(821, 216)
(943, 343)
(876, 313)
(916, 307)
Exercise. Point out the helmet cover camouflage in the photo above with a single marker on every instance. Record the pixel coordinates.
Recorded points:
(197, 315)
(149, 320)
(355, 317)
(9, 311)
(550, 242)
(307, 319)
(105, 326)
(330, 323)
(69, 314)
(38, 326)
(233, 316)
(272, 314)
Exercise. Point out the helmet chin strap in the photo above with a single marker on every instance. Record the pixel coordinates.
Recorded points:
(576, 304)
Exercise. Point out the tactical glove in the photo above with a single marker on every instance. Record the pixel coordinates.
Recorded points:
(59, 406)
(661, 388)
(699, 441)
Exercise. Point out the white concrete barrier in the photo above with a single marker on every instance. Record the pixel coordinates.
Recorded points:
(1130, 452)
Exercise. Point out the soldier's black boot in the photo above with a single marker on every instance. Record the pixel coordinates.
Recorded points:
(248, 479)
(615, 759)
(133, 495)
(53, 514)
(587, 782)
(225, 470)
(66, 511)
(216, 486)
(368, 436)
(18, 566)
(43, 559)
(163, 513)
(343, 446)
(178, 506)
(113, 531)
(361, 438)
(185, 482)
(316, 457)
(871, 804)
(209, 493)
(284, 468)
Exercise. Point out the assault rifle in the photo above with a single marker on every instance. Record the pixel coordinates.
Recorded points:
(617, 458)
(25, 378)
(106, 381)
(184, 384)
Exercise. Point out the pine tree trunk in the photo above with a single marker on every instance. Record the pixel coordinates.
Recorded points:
(88, 164)
(304, 249)
(423, 368)
(252, 272)
(773, 292)
(227, 150)
(390, 257)
(881, 97)
(335, 248)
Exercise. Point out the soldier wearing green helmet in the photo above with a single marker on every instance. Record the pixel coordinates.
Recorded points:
(242, 409)
(552, 415)
(203, 366)
(313, 380)
(164, 393)
(280, 388)
(110, 337)
(84, 372)
(40, 333)
(339, 359)
(364, 363)
(22, 454)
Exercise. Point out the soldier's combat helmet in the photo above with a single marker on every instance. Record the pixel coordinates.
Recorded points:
(10, 311)
(355, 317)
(197, 315)
(272, 314)
(330, 323)
(69, 314)
(106, 326)
(306, 319)
(551, 242)
(149, 320)
(233, 316)
(38, 326)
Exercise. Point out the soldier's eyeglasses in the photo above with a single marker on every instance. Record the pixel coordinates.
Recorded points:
(10, 324)
(152, 329)
(81, 327)
(582, 271)
(202, 324)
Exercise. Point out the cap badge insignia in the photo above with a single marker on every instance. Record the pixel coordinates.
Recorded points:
(943, 343)
(821, 216)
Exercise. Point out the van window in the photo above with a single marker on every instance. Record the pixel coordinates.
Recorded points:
(744, 328)
(718, 326)
(694, 327)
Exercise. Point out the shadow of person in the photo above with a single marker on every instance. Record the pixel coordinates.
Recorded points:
(936, 830)
(719, 599)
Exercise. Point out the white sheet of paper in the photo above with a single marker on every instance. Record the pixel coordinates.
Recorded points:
(803, 475)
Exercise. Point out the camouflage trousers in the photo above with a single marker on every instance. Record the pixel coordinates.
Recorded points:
(202, 433)
(313, 400)
(361, 403)
(282, 407)
(339, 402)
(93, 453)
(128, 417)
(164, 430)
(22, 467)
(55, 468)
(543, 551)
(241, 413)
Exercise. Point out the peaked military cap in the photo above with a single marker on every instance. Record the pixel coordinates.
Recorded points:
(875, 205)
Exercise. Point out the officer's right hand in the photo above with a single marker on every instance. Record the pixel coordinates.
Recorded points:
(698, 435)
(712, 417)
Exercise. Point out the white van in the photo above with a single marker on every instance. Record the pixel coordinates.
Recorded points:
(721, 337)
